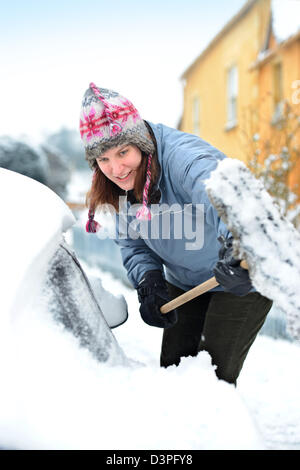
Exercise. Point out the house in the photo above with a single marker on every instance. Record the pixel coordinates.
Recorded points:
(239, 88)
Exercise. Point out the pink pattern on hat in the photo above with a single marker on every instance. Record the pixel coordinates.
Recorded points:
(129, 110)
(115, 116)
(91, 125)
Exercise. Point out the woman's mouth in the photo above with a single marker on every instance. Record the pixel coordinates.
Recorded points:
(124, 177)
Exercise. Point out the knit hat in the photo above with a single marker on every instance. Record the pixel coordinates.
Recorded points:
(107, 120)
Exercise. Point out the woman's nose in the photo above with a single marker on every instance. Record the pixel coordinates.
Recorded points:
(117, 168)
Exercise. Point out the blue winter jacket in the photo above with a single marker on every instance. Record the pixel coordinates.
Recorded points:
(186, 161)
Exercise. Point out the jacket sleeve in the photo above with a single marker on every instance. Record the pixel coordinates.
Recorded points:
(137, 257)
(192, 179)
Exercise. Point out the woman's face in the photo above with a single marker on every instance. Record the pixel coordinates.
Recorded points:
(120, 164)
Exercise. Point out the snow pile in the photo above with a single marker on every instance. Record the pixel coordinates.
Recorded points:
(268, 242)
(286, 18)
(270, 384)
(58, 397)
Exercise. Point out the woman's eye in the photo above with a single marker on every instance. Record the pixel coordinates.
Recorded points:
(123, 152)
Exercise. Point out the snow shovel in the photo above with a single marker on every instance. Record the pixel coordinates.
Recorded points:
(195, 292)
(266, 240)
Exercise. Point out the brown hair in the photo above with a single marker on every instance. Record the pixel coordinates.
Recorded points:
(104, 191)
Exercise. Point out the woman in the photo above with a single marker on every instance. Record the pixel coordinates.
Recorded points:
(160, 171)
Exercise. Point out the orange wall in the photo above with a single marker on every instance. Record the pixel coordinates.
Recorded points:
(289, 57)
(208, 80)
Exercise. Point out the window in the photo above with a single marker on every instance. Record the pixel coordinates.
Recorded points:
(196, 116)
(232, 93)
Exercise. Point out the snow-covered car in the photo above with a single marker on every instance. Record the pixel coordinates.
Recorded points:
(38, 266)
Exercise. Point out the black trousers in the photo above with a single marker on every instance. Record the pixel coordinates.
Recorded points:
(220, 323)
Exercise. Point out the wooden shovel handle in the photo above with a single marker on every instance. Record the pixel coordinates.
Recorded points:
(195, 292)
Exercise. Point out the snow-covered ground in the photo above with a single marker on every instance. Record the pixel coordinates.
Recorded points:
(54, 394)
(58, 397)
(269, 384)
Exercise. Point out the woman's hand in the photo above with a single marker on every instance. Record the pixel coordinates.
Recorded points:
(228, 272)
(152, 293)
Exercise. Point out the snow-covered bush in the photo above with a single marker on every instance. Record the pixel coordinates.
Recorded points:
(58, 174)
(18, 156)
(43, 163)
(273, 152)
(69, 143)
